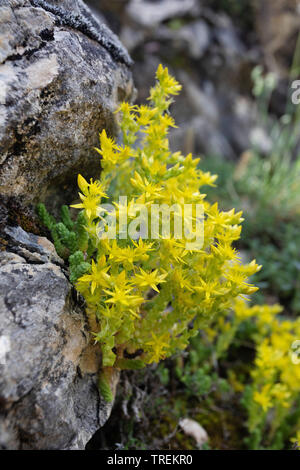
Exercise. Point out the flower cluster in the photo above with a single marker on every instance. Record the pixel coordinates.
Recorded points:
(152, 296)
(271, 388)
(275, 387)
(147, 297)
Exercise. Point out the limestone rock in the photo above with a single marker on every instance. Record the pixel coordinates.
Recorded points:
(62, 76)
(48, 373)
(149, 13)
(192, 428)
(59, 88)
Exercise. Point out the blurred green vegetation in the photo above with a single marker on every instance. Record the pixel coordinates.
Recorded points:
(267, 189)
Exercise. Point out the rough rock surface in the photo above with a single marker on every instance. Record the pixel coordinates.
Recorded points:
(58, 88)
(60, 83)
(48, 371)
(278, 27)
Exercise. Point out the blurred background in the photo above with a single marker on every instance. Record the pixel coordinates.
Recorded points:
(211, 46)
(236, 61)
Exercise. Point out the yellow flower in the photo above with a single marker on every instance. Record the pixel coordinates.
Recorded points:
(121, 296)
(121, 292)
(142, 250)
(149, 279)
(207, 179)
(146, 114)
(173, 193)
(89, 204)
(129, 254)
(179, 278)
(296, 440)
(263, 397)
(225, 251)
(158, 345)
(109, 149)
(93, 188)
(210, 289)
(168, 83)
(126, 108)
(98, 277)
(152, 191)
(281, 394)
(166, 121)
(172, 249)
(266, 356)
(155, 167)
(91, 196)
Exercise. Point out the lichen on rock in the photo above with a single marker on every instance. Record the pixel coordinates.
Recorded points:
(58, 89)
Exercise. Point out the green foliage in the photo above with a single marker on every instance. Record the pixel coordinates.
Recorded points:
(66, 219)
(239, 364)
(272, 236)
(47, 219)
(267, 188)
(68, 238)
(82, 235)
(282, 257)
(130, 364)
(199, 379)
(273, 182)
(78, 267)
(104, 387)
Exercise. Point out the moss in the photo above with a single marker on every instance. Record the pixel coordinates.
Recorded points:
(17, 214)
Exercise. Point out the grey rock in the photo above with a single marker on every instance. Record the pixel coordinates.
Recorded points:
(196, 35)
(207, 54)
(58, 89)
(238, 117)
(261, 141)
(31, 247)
(191, 40)
(200, 102)
(48, 382)
(229, 41)
(278, 26)
(200, 136)
(78, 16)
(151, 13)
(132, 37)
(62, 76)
